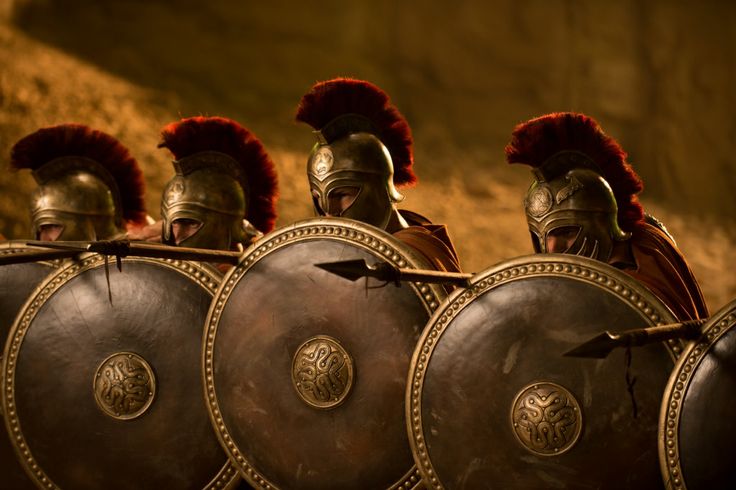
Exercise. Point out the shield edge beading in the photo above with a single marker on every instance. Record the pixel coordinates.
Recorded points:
(670, 411)
(350, 231)
(13, 247)
(202, 274)
(579, 268)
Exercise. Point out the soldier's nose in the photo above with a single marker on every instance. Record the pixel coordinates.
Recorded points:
(554, 245)
(184, 228)
(49, 233)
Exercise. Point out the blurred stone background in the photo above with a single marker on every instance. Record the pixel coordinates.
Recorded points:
(660, 76)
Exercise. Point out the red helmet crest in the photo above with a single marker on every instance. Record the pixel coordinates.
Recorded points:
(536, 140)
(331, 99)
(77, 140)
(198, 134)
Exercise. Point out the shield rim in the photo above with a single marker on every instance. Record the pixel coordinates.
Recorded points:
(676, 391)
(579, 268)
(11, 247)
(356, 233)
(203, 274)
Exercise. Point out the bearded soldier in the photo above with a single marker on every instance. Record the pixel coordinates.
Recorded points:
(584, 201)
(224, 192)
(363, 153)
(89, 186)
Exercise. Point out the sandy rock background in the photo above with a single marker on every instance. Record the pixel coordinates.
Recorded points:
(660, 76)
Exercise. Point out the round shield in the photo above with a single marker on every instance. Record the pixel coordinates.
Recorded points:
(102, 379)
(17, 282)
(305, 371)
(492, 402)
(696, 421)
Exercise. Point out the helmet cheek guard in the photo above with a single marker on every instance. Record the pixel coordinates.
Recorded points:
(362, 136)
(361, 161)
(89, 185)
(224, 180)
(582, 200)
(204, 190)
(79, 201)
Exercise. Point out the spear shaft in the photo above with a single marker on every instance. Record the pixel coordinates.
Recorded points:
(35, 256)
(600, 346)
(383, 271)
(124, 248)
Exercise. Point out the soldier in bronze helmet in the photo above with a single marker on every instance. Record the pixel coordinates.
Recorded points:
(584, 201)
(364, 152)
(224, 192)
(89, 186)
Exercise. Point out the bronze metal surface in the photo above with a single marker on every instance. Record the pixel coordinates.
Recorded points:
(696, 430)
(322, 372)
(505, 334)
(17, 282)
(124, 386)
(66, 331)
(358, 160)
(78, 194)
(546, 418)
(269, 306)
(208, 187)
(576, 198)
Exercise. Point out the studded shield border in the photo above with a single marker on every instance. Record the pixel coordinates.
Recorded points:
(203, 275)
(356, 233)
(676, 390)
(570, 266)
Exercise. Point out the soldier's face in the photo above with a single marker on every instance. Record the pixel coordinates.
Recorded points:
(339, 200)
(183, 228)
(49, 232)
(560, 240)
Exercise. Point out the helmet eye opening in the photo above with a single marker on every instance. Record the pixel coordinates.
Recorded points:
(562, 239)
(49, 232)
(339, 199)
(184, 228)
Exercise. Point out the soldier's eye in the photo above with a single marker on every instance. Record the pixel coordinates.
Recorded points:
(340, 199)
(187, 222)
(566, 232)
(183, 228)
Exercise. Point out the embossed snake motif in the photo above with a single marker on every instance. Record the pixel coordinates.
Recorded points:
(321, 372)
(546, 420)
(124, 386)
